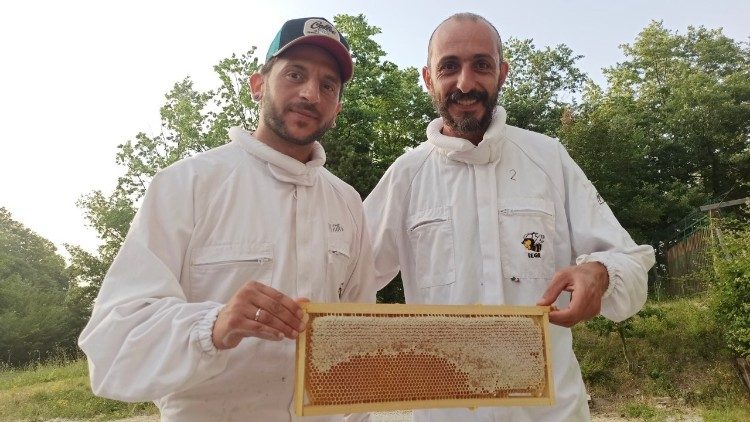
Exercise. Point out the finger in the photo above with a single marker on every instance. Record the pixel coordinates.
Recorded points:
(270, 320)
(556, 286)
(306, 317)
(278, 305)
(584, 303)
(562, 318)
(287, 302)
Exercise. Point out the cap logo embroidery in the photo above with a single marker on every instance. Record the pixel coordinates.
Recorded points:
(533, 244)
(320, 27)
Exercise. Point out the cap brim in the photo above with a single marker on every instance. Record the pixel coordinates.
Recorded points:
(335, 48)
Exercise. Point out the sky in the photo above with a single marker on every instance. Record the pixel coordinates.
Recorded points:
(78, 78)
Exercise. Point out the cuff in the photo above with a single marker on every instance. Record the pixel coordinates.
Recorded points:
(604, 260)
(204, 330)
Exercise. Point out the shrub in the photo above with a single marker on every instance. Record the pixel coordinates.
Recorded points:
(731, 287)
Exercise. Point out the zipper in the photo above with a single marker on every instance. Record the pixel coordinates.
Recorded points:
(426, 223)
(523, 211)
(261, 260)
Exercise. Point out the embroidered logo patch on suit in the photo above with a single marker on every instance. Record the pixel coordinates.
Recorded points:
(533, 244)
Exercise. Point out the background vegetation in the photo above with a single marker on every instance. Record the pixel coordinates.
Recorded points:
(669, 131)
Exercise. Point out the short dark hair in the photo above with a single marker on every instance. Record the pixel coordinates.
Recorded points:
(268, 65)
(466, 16)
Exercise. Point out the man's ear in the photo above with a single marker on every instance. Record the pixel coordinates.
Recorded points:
(504, 68)
(256, 83)
(427, 78)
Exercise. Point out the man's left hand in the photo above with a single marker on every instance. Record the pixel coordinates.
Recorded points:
(586, 283)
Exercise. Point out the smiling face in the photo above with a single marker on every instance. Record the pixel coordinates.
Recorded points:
(299, 98)
(464, 76)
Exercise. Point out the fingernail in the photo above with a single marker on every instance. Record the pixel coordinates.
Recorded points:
(300, 314)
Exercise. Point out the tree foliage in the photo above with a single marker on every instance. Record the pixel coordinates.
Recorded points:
(731, 289)
(28, 256)
(385, 111)
(670, 132)
(541, 85)
(34, 317)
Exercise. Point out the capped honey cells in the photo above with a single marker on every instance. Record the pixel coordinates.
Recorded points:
(356, 357)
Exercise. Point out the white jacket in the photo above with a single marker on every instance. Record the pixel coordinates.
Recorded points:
(452, 217)
(207, 225)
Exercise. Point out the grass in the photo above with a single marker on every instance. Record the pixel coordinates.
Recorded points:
(677, 361)
(679, 370)
(58, 390)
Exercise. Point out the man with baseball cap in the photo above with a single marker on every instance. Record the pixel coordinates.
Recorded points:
(199, 309)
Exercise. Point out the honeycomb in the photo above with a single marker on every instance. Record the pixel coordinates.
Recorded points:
(355, 358)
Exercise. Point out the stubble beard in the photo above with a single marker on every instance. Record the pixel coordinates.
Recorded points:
(274, 120)
(467, 124)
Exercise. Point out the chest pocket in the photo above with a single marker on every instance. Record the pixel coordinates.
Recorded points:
(337, 266)
(527, 233)
(218, 271)
(431, 236)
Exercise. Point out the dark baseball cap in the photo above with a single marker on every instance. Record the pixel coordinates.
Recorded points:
(315, 31)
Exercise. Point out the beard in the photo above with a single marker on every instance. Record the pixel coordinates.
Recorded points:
(467, 123)
(273, 118)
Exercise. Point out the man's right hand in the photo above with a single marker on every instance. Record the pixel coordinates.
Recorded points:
(278, 316)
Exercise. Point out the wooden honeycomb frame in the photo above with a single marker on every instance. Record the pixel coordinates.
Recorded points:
(405, 369)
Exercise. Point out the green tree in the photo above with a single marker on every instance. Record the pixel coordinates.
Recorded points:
(671, 130)
(35, 320)
(541, 85)
(385, 111)
(28, 256)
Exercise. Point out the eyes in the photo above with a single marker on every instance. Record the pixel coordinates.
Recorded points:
(326, 85)
(451, 65)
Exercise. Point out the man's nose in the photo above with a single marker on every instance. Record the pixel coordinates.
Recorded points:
(310, 91)
(466, 80)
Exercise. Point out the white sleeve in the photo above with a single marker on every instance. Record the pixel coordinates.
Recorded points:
(597, 236)
(383, 214)
(144, 340)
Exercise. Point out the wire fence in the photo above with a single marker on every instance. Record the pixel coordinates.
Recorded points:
(689, 261)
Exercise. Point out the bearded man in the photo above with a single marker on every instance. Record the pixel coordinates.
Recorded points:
(197, 311)
(483, 212)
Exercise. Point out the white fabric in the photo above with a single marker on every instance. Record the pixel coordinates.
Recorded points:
(452, 217)
(207, 225)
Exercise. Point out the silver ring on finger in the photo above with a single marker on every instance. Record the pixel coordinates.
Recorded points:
(257, 315)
